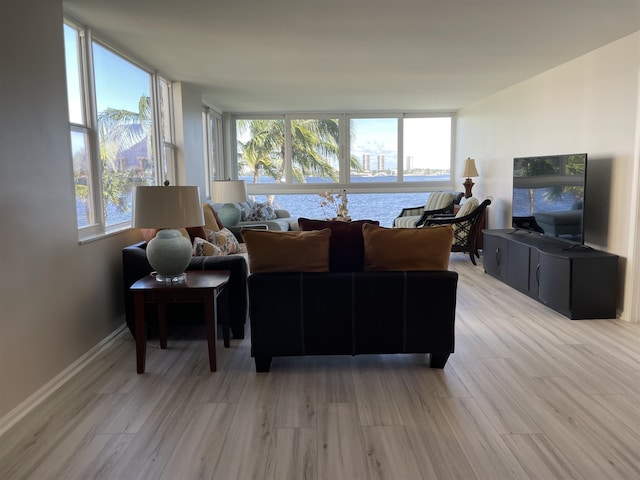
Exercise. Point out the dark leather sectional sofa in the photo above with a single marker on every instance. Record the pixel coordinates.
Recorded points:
(351, 313)
(362, 301)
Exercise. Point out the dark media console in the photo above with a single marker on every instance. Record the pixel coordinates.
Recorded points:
(572, 279)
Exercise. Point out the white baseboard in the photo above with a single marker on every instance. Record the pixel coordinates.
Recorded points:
(15, 415)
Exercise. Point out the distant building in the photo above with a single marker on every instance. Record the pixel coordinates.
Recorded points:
(366, 162)
(409, 163)
(380, 162)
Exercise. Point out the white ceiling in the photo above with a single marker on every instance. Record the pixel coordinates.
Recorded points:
(354, 55)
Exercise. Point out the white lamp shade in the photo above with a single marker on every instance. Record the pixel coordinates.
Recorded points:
(228, 191)
(167, 207)
(470, 168)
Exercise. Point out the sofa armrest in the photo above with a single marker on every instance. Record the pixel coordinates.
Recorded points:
(282, 213)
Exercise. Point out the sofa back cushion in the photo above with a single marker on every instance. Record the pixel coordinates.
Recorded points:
(272, 251)
(417, 249)
(190, 233)
(438, 200)
(346, 246)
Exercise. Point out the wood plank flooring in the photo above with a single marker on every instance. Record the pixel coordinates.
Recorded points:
(528, 394)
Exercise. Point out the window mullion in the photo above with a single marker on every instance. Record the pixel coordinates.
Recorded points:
(92, 123)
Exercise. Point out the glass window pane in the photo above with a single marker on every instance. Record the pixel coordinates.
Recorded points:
(315, 150)
(82, 178)
(427, 149)
(374, 149)
(74, 83)
(124, 131)
(260, 150)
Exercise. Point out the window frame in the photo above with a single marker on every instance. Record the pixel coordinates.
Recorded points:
(161, 147)
(345, 118)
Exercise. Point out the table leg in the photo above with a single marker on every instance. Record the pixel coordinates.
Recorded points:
(162, 324)
(141, 332)
(224, 311)
(210, 308)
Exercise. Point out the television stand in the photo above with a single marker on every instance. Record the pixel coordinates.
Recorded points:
(575, 280)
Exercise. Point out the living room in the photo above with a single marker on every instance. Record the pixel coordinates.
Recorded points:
(61, 300)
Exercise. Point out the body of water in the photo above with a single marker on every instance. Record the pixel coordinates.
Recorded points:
(383, 207)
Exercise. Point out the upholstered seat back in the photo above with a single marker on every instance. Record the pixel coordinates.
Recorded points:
(461, 230)
(438, 200)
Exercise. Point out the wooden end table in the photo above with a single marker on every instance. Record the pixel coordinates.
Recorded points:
(200, 287)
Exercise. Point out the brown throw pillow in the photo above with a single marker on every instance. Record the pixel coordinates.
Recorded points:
(271, 251)
(346, 247)
(422, 249)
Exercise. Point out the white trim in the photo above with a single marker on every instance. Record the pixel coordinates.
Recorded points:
(631, 312)
(19, 412)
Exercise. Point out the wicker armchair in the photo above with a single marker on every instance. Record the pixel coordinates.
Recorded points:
(437, 203)
(466, 226)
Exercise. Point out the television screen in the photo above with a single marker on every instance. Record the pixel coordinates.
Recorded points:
(548, 195)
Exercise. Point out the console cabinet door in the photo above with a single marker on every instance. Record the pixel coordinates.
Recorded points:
(518, 266)
(555, 282)
(494, 255)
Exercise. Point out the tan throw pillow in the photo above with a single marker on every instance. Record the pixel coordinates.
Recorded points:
(210, 218)
(420, 249)
(273, 251)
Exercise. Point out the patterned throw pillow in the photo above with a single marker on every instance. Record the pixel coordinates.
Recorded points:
(202, 248)
(225, 240)
(259, 212)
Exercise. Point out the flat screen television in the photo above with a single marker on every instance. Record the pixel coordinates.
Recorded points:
(548, 195)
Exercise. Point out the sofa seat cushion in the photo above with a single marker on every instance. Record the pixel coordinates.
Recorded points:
(287, 251)
(422, 249)
(346, 246)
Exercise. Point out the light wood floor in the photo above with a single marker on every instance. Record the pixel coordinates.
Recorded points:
(528, 394)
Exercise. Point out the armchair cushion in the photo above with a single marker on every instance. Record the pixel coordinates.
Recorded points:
(420, 249)
(469, 206)
(439, 200)
(272, 251)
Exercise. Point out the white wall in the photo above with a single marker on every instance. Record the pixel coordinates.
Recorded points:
(58, 299)
(587, 105)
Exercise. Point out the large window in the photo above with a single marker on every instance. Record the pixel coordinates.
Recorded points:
(384, 161)
(391, 150)
(121, 131)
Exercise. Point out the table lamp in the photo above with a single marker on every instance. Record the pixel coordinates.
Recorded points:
(228, 192)
(469, 171)
(168, 208)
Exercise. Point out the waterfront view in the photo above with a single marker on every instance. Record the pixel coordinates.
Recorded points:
(383, 207)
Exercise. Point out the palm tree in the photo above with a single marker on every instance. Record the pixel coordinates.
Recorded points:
(118, 131)
(314, 144)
